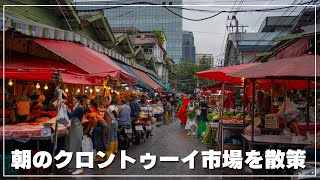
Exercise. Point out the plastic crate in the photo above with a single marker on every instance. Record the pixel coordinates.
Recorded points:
(303, 128)
(8, 169)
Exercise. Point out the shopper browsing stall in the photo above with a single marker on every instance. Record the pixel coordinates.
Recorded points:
(124, 113)
(112, 112)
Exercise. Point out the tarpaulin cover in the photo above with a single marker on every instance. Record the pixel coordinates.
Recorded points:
(69, 78)
(220, 74)
(301, 66)
(155, 86)
(165, 86)
(93, 62)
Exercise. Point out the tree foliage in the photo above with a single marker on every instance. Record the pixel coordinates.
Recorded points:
(186, 74)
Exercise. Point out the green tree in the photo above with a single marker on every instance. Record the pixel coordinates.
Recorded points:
(186, 74)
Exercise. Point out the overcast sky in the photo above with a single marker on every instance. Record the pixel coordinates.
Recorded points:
(209, 34)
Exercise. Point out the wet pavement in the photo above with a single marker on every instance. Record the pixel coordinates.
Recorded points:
(167, 140)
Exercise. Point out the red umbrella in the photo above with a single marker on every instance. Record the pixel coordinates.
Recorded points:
(301, 66)
(220, 74)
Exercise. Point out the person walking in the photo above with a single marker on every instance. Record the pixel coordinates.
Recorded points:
(191, 119)
(75, 133)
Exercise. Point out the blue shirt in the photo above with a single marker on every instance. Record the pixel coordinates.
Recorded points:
(78, 112)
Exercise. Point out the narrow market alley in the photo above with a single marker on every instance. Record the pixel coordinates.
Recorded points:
(167, 140)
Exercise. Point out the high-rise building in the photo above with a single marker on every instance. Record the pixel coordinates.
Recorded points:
(210, 57)
(188, 48)
(145, 18)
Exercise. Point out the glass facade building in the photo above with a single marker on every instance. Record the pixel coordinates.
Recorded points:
(146, 19)
(188, 48)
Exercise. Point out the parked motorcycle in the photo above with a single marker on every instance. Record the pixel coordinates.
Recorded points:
(125, 135)
(139, 132)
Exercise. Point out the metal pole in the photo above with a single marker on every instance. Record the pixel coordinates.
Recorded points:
(252, 110)
(272, 89)
(308, 104)
(244, 102)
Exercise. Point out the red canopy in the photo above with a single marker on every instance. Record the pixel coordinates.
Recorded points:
(28, 75)
(155, 86)
(40, 69)
(220, 74)
(91, 61)
(301, 66)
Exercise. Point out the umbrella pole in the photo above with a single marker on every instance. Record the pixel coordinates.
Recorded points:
(221, 115)
(252, 111)
(308, 104)
(55, 137)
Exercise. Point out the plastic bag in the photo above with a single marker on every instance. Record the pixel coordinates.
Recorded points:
(62, 116)
(86, 146)
(198, 112)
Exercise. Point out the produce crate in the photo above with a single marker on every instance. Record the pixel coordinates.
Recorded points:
(271, 121)
(8, 169)
(303, 128)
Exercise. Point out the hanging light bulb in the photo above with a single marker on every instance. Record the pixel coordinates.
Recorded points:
(66, 90)
(78, 90)
(46, 87)
(118, 93)
(105, 87)
(91, 90)
(87, 87)
(109, 88)
(97, 90)
(85, 91)
(38, 86)
(10, 83)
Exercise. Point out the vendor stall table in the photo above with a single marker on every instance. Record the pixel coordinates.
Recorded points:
(275, 139)
(239, 128)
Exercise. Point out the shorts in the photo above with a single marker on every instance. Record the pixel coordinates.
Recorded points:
(113, 132)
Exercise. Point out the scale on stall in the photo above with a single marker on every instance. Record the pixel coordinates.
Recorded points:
(47, 130)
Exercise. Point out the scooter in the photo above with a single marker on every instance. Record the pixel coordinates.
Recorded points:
(125, 134)
(147, 126)
(311, 171)
(139, 132)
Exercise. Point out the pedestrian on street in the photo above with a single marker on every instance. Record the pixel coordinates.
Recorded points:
(204, 109)
(112, 112)
(191, 121)
(75, 133)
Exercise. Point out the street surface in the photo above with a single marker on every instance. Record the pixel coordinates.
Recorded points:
(167, 140)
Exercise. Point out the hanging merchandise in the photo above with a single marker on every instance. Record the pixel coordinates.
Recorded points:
(62, 117)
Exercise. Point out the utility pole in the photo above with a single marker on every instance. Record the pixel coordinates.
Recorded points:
(236, 29)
